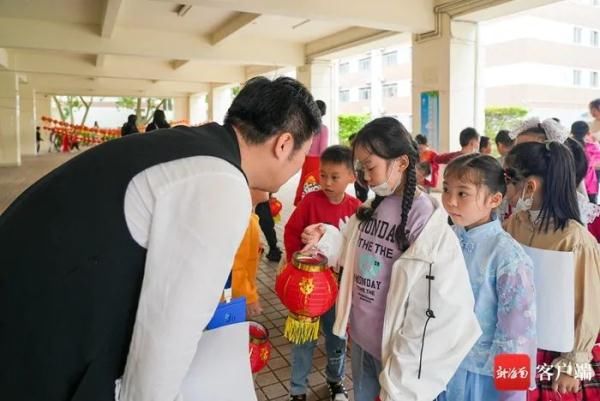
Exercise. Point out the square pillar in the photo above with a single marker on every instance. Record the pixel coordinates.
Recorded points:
(198, 112)
(27, 119)
(10, 152)
(447, 89)
(318, 78)
(43, 108)
(181, 108)
(219, 99)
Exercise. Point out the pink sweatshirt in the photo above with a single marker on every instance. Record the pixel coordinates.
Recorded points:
(592, 152)
(320, 142)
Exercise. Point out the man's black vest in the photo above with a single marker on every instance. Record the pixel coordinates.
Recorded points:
(70, 272)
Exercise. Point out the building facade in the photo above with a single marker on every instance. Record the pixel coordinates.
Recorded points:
(546, 60)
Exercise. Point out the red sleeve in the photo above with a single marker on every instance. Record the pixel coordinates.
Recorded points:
(594, 228)
(293, 230)
(435, 170)
(323, 138)
(444, 158)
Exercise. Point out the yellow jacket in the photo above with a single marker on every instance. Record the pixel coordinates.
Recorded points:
(245, 263)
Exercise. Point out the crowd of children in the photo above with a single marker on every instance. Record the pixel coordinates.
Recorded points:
(425, 306)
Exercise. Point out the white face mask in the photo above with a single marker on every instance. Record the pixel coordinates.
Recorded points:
(384, 188)
(503, 209)
(523, 204)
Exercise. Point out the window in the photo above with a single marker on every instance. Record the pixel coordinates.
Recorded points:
(576, 77)
(594, 38)
(364, 64)
(577, 35)
(344, 95)
(390, 90)
(364, 93)
(390, 58)
(344, 68)
(594, 79)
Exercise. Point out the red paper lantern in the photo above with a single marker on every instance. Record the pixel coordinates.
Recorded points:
(308, 288)
(260, 346)
(275, 206)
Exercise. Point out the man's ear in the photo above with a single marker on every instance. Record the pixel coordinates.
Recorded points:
(283, 145)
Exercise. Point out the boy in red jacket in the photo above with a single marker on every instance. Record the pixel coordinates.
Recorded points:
(331, 205)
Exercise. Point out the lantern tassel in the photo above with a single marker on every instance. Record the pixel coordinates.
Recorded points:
(300, 331)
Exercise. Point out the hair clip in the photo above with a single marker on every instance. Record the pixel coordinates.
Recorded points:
(553, 130)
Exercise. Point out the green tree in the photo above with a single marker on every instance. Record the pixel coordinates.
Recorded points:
(350, 124)
(497, 118)
(69, 105)
(144, 107)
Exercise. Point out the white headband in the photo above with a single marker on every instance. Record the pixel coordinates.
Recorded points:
(554, 130)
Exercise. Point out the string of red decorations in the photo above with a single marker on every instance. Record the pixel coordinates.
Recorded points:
(79, 132)
(84, 134)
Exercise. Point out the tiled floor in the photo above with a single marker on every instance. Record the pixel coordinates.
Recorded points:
(272, 383)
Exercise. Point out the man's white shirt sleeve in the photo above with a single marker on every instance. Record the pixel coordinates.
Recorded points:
(191, 215)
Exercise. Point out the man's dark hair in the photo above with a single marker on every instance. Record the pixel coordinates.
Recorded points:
(503, 137)
(322, 107)
(467, 135)
(421, 139)
(265, 108)
(595, 104)
(580, 129)
(483, 143)
(338, 154)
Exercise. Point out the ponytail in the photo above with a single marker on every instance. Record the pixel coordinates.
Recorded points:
(559, 188)
(554, 163)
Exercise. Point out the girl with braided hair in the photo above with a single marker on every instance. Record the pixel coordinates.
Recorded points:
(404, 290)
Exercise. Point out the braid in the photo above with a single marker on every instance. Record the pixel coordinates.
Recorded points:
(366, 213)
(407, 201)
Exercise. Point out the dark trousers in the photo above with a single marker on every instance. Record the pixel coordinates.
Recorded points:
(267, 225)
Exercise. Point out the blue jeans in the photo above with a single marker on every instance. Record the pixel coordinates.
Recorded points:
(302, 355)
(365, 374)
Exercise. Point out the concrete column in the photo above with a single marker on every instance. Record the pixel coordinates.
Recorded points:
(43, 108)
(181, 108)
(27, 119)
(318, 78)
(219, 99)
(448, 64)
(210, 106)
(198, 112)
(10, 152)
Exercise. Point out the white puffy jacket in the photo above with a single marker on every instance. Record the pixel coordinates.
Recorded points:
(429, 324)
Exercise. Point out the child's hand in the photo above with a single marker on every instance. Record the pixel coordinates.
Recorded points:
(312, 234)
(254, 309)
(566, 384)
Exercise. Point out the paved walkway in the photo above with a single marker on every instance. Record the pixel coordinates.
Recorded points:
(272, 383)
